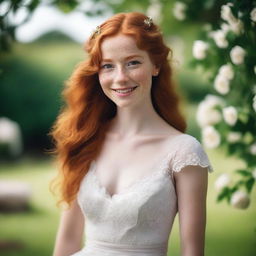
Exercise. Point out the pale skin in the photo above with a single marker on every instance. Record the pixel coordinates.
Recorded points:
(137, 128)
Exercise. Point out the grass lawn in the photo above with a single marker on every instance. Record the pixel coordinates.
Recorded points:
(230, 232)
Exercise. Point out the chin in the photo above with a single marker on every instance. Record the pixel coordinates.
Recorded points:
(128, 104)
(123, 105)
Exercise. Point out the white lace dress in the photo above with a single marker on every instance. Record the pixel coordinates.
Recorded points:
(137, 222)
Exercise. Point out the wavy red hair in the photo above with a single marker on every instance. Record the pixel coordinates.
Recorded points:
(80, 128)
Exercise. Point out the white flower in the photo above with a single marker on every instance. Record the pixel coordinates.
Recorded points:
(237, 26)
(234, 137)
(225, 27)
(226, 13)
(179, 10)
(221, 84)
(253, 14)
(230, 115)
(211, 137)
(222, 80)
(219, 37)
(155, 10)
(8, 130)
(240, 199)
(206, 114)
(253, 149)
(237, 54)
(254, 173)
(226, 71)
(199, 49)
(254, 103)
(213, 100)
(10, 135)
(222, 181)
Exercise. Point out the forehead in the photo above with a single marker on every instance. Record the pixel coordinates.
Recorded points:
(120, 45)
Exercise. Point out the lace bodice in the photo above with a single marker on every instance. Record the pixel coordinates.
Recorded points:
(137, 221)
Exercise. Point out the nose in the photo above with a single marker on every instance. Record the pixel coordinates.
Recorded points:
(121, 75)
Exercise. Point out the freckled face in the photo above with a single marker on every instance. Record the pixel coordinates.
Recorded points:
(126, 72)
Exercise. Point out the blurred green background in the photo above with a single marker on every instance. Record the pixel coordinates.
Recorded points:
(32, 77)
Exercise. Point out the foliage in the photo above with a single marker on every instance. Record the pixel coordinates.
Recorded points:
(30, 98)
(31, 80)
(53, 36)
(159, 10)
(226, 51)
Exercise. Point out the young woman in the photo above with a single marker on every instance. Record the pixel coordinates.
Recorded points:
(127, 165)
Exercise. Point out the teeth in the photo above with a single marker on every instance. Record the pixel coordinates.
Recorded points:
(125, 90)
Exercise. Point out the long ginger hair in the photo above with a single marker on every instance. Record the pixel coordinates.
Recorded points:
(80, 128)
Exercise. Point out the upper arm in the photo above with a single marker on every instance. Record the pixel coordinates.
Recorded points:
(70, 231)
(191, 188)
(72, 220)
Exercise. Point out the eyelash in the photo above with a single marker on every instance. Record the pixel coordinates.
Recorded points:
(135, 62)
(106, 66)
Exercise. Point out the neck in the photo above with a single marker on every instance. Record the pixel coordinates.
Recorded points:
(136, 120)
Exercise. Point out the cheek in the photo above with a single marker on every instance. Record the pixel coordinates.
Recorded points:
(104, 80)
(144, 78)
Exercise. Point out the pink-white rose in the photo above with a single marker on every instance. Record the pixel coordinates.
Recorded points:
(240, 200)
(230, 115)
(222, 181)
(200, 49)
(221, 84)
(211, 137)
(237, 55)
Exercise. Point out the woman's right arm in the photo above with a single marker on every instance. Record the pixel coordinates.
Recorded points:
(70, 232)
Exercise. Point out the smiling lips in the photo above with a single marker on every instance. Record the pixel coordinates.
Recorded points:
(126, 90)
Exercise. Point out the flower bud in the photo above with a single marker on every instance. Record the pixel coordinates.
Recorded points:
(179, 10)
(200, 49)
(230, 115)
(221, 84)
(211, 137)
(237, 54)
(222, 181)
(240, 200)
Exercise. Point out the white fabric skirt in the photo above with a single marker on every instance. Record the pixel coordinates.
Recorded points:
(100, 248)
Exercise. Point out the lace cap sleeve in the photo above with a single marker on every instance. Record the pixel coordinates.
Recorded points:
(189, 151)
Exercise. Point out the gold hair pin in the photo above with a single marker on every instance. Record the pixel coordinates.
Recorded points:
(96, 31)
(148, 21)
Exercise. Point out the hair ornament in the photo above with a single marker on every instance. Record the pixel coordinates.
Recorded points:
(148, 21)
(96, 31)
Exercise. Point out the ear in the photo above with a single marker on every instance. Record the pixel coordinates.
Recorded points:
(155, 71)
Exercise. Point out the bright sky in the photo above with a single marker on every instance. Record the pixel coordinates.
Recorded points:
(77, 25)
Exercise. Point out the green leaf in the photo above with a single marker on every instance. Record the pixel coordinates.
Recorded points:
(224, 193)
(33, 5)
(249, 184)
(67, 6)
(243, 172)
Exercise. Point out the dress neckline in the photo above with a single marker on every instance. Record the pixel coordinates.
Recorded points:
(161, 166)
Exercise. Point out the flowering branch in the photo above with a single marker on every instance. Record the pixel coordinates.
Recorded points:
(227, 116)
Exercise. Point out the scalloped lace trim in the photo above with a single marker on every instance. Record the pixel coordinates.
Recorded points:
(191, 159)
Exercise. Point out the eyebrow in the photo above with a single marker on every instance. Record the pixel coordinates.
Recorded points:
(127, 58)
